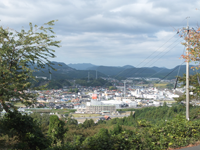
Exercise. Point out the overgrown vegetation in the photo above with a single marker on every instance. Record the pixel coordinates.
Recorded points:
(93, 82)
(194, 87)
(147, 128)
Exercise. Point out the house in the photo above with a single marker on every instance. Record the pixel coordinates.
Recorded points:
(107, 117)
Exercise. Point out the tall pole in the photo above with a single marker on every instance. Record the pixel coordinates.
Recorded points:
(187, 75)
(50, 74)
(96, 74)
(124, 89)
(88, 76)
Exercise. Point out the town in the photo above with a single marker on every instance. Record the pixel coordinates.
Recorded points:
(103, 100)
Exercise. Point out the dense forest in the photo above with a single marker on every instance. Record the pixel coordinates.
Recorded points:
(93, 82)
(146, 128)
(50, 84)
(63, 71)
(60, 83)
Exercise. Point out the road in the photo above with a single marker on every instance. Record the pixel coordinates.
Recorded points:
(192, 148)
(111, 116)
(82, 119)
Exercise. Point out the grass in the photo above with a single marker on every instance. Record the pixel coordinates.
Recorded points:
(172, 101)
(160, 85)
(126, 112)
(59, 111)
(39, 110)
(19, 104)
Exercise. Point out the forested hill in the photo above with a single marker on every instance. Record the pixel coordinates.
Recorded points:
(63, 71)
(66, 72)
(153, 72)
(109, 70)
(156, 72)
(81, 66)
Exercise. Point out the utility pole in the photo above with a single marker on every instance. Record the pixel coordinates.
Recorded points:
(187, 75)
(50, 74)
(88, 76)
(124, 88)
(96, 74)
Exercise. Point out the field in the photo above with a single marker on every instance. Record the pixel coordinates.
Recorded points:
(85, 115)
(162, 85)
(172, 101)
(158, 85)
(59, 111)
(19, 104)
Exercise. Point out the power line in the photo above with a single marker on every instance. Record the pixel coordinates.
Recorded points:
(156, 51)
(144, 69)
(148, 56)
(163, 55)
(164, 68)
(170, 72)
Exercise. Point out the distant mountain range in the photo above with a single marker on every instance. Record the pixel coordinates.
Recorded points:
(131, 71)
(75, 71)
(83, 66)
(66, 72)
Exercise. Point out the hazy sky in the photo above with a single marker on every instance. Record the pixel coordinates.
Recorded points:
(109, 32)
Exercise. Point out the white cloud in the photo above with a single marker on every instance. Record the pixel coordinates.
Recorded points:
(107, 32)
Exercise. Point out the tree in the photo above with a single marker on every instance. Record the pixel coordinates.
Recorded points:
(169, 86)
(25, 130)
(193, 41)
(117, 129)
(101, 140)
(71, 121)
(41, 120)
(22, 53)
(54, 85)
(56, 129)
(164, 104)
(74, 90)
(88, 123)
(112, 88)
(194, 87)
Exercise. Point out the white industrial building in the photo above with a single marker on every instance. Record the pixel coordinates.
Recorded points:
(153, 93)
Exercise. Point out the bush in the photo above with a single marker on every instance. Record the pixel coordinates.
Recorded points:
(26, 131)
(56, 130)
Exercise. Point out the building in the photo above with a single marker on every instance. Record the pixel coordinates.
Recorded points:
(101, 109)
(40, 77)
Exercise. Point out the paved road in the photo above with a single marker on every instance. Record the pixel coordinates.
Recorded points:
(192, 148)
(111, 116)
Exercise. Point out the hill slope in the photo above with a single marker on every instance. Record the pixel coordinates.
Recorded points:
(66, 72)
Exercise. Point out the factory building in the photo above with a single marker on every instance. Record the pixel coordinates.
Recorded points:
(99, 109)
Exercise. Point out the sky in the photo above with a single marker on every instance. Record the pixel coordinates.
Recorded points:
(141, 33)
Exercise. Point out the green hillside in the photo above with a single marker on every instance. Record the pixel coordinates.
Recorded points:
(147, 128)
(63, 71)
